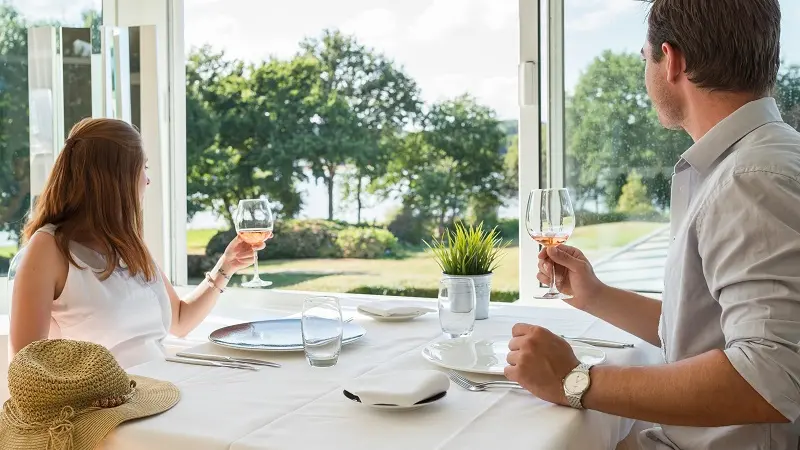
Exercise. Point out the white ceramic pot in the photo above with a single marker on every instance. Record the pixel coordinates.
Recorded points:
(483, 289)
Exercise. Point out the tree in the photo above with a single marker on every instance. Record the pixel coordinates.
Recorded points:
(14, 138)
(613, 128)
(634, 198)
(241, 123)
(453, 161)
(364, 98)
(787, 94)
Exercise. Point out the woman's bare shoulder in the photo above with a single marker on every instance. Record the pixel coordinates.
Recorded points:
(42, 252)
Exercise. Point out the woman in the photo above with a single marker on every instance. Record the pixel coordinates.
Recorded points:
(86, 273)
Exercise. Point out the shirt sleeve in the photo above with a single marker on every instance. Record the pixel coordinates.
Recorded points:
(749, 241)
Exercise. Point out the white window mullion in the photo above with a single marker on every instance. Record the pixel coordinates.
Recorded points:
(555, 84)
(162, 123)
(529, 136)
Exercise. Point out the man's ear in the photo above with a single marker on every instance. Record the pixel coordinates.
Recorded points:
(675, 62)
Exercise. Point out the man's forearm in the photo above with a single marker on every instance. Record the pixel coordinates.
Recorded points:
(629, 311)
(703, 391)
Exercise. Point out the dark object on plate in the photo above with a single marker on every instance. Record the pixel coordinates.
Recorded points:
(431, 399)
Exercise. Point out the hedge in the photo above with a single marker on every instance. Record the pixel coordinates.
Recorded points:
(496, 296)
(299, 239)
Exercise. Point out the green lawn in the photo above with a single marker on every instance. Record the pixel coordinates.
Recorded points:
(8, 251)
(419, 269)
(196, 240)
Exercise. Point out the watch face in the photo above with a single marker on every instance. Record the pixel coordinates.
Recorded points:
(576, 382)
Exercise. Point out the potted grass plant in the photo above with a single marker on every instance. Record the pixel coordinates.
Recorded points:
(470, 252)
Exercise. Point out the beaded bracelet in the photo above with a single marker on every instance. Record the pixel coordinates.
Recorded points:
(211, 282)
(222, 272)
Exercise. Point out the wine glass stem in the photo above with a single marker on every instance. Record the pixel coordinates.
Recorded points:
(255, 267)
(553, 288)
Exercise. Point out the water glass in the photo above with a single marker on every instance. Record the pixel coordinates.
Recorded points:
(321, 325)
(457, 306)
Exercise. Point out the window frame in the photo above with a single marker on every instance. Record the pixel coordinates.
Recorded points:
(168, 161)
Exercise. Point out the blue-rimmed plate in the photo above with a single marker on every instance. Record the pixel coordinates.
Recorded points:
(281, 335)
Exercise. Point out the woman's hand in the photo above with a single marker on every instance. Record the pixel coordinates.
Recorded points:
(238, 255)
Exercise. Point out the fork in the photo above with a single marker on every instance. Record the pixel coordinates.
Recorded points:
(475, 386)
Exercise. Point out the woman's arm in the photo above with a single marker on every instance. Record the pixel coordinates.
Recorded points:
(187, 313)
(40, 279)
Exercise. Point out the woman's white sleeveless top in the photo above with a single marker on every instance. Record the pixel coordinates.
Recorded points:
(128, 315)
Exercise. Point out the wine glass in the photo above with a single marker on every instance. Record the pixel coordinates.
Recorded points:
(254, 221)
(550, 221)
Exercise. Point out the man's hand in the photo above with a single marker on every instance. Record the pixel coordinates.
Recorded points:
(574, 274)
(539, 360)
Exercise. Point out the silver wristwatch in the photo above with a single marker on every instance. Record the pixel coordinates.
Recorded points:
(576, 383)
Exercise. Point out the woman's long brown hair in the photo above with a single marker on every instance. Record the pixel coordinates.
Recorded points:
(93, 190)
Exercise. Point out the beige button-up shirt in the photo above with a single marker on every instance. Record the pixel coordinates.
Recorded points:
(732, 278)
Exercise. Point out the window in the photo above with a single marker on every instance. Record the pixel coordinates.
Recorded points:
(618, 158)
(26, 87)
(370, 126)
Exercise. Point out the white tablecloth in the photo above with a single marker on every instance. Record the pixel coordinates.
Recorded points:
(300, 407)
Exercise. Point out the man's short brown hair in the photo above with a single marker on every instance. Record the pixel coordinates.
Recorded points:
(729, 45)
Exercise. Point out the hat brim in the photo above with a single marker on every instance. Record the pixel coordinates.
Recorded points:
(151, 397)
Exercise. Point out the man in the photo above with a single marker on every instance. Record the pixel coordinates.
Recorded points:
(729, 323)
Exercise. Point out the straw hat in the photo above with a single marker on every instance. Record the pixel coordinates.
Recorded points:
(69, 394)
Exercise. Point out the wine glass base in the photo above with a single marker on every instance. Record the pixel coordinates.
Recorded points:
(551, 296)
(256, 284)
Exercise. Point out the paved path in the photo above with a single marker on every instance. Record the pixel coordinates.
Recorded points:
(639, 266)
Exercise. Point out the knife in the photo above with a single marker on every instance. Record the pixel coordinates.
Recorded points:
(200, 362)
(227, 359)
(599, 342)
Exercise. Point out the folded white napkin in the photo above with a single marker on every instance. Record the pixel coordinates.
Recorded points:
(393, 308)
(403, 388)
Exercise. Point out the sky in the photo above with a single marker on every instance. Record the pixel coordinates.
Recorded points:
(449, 47)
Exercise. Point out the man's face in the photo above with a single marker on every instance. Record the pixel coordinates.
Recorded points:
(663, 94)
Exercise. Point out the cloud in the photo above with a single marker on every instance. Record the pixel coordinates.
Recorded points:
(441, 18)
(49, 10)
(597, 14)
(498, 14)
(372, 24)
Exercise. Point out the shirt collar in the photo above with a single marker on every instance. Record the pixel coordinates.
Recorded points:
(729, 131)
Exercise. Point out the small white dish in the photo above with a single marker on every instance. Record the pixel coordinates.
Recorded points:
(488, 355)
(427, 402)
(392, 318)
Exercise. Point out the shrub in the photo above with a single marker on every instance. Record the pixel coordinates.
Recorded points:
(409, 228)
(584, 218)
(296, 239)
(304, 239)
(508, 229)
(198, 265)
(634, 198)
(496, 296)
(367, 243)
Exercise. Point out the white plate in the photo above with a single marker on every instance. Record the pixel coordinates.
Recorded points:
(394, 318)
(488, 355)
(435, 399)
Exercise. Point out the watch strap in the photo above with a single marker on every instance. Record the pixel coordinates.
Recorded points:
(574, 400)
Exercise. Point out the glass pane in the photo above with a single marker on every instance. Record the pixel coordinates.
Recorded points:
(370, 126)
(16, 16)
(619, 158)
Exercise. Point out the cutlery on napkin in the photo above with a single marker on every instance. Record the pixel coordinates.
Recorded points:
(390, 308)
(402, 388)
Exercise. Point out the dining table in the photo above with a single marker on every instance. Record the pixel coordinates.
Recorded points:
(298, 406)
